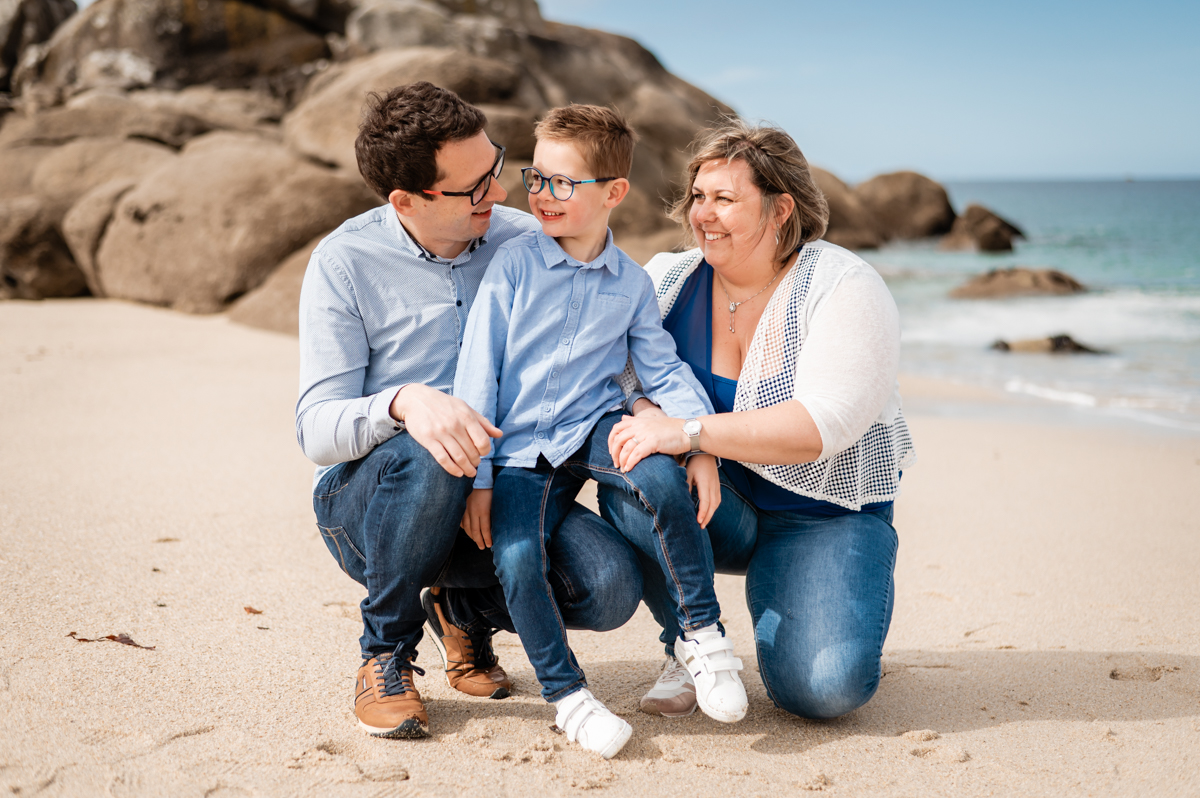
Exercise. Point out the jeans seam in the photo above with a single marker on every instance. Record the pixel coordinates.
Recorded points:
(562, 628)
(332, 532)
(687, 625)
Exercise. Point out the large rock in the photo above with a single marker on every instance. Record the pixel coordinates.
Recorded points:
(1018, 281)
(101, 114)
(980, 229)
(325, 123)
(17, 166)
(84, 225)
(220, 109)
(34, 260)
(511, 126)
(24, 23)
(210, 226)
(906, 205)
(390, 24)
(73, 169)
(1055, 344)
(275, 305)
(851, 225)
(223, 42)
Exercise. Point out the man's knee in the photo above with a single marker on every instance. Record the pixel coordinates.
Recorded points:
(838, 680)
(401, 458)
(613, 594)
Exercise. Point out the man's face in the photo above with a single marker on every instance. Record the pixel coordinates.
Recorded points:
(446, 225)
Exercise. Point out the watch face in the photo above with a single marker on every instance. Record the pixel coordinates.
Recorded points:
(691, 428)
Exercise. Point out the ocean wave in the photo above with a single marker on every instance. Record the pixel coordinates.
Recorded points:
(1106, 319)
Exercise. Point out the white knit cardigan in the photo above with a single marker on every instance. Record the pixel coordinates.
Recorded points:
(846, 379)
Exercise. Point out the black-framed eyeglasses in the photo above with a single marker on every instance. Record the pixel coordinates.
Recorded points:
(481, 188)
(561, 186)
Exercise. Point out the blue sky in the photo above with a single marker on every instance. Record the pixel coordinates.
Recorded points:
(956, 90)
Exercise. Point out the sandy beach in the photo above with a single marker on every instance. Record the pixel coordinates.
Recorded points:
(1046, 638)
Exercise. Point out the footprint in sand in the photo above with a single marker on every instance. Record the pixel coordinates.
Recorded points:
(1140, 673)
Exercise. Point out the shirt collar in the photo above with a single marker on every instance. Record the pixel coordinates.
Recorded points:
(554, 254)
(414, 247)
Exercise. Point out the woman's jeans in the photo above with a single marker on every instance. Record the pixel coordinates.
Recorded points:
(391, 520)
(819, 589)
(528, 506)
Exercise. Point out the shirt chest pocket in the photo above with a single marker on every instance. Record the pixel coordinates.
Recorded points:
(607, 315)
(618, 300)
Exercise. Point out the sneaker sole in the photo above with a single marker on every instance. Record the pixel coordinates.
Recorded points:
(617, 744)
(411, 729)
(500, 692)
(650, 707)
(720, 717)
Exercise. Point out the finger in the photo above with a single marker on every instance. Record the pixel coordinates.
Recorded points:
(444, 459)
(702, 512)
(454, 451)
(491, 429)
(617, 429)
(476, 537)
(485, 529)
(635, 455)
(481, 438)
(627, 447)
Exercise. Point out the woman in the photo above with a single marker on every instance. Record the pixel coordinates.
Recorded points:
(797, 343)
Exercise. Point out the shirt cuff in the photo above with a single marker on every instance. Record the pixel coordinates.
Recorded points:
(380, 414)
(633, 397)
(483, 476)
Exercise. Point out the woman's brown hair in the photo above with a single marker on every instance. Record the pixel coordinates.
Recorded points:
(777, 167)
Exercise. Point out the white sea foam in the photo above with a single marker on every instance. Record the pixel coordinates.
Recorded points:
(1053, 394)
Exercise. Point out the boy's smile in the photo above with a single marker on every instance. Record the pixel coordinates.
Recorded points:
(578, 224)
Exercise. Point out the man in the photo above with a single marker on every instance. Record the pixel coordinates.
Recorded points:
(382, 312)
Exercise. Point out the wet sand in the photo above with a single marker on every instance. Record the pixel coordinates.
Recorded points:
(1046, 638)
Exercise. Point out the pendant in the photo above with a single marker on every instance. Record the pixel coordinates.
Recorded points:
(732, 307)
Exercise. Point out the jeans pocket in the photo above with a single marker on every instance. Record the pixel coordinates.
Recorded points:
(349, 558)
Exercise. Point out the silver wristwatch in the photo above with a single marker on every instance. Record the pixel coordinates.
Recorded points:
(691, 428)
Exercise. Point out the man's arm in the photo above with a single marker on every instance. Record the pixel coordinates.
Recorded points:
(335, 423)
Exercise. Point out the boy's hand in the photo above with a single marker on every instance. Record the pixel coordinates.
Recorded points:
(477, 520)
(702, 477)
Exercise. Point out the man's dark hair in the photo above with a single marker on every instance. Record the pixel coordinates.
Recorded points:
(403, 130)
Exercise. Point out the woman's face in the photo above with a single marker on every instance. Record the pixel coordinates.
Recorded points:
(726, 216)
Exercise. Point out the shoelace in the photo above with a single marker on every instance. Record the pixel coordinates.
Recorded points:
(480, 642)
(673, 672)
(396, 679)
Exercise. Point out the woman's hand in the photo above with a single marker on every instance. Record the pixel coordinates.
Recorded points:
(636, 437)
(477, 520)
(702, 477)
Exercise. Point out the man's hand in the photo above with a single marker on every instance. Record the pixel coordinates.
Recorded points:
(477, 520)
(448, 428)
(702, 477)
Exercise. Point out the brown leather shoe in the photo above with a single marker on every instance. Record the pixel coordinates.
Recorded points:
(385, 701)
(471, 665)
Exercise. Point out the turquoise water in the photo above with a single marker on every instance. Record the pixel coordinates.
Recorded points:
(1135, 245)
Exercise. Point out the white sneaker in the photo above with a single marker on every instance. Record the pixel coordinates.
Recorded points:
(588, 722)
(709, 658)
(673, 695)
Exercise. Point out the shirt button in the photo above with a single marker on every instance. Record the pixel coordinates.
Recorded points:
(459, 303)
(566, 340)
(554, 374)
(541, 434)
(575, 305)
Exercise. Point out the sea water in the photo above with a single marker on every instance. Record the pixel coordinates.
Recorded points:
(1134, 245)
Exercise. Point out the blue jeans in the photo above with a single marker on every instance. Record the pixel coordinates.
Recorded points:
(528, 505)
(391, 520)
(820, 593)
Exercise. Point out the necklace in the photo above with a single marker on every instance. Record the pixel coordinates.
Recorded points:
(733, 306)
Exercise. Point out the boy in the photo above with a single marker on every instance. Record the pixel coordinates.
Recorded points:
(558, 315)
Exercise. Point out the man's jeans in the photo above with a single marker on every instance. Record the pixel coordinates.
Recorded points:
(391, 520)
(820, 592)
(528, 505)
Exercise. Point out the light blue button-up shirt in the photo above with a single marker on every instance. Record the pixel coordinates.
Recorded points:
(377, 312)
(545, 341)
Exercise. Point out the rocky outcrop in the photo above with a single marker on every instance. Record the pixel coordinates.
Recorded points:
(217, 109)
(851, 224)
(906, 205)
(1018, 281)
(34, 259)
(73, 169)
(17, 166)
(100, 114)
(85, 223)
(980, 229)
(325, 123)
(209, 227)
(275, 305)
(23, 24)
(1055, 344)
(168, 43)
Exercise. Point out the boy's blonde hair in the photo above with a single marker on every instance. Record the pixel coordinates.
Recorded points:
(604, 138)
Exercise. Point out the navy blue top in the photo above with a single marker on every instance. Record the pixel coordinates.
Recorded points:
(690, 324)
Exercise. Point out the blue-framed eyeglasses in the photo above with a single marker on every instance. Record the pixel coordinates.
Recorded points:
(561, 186)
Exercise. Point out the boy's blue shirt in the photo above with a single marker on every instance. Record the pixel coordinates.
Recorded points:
(546, 339)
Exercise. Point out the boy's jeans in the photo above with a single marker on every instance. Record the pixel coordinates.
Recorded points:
(529, 504)
(391, 520)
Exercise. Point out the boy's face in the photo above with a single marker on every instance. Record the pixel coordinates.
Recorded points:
(585, 214)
